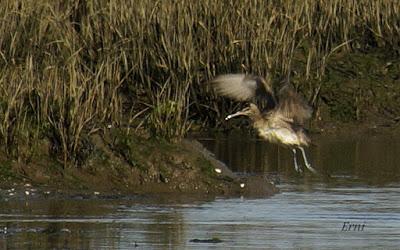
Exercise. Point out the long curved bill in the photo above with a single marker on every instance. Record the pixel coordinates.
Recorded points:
(234, 115)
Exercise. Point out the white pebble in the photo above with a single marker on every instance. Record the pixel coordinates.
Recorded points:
(218, 170)
(96, 193)
(242, 185)
(109, 126)
(27, 192)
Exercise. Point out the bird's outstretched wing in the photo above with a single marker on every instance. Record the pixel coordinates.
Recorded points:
(243, 87)
(293, 106)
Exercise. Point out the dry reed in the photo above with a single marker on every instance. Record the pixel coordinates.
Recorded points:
(70, 67)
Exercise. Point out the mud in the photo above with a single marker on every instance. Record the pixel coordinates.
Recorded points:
(132, 166)
(359, 94)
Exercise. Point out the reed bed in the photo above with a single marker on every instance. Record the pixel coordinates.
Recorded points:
(70, 68)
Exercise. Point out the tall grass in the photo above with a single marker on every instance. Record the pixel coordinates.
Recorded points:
(70, 67)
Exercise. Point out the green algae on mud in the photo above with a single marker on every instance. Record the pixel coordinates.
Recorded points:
(120, 164)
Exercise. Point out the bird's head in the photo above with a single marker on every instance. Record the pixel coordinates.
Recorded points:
(251, 111)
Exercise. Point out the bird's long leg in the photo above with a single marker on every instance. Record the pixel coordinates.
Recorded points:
(296, 166)
(308, 165)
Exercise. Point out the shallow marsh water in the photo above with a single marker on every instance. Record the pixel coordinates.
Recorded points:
(359, 185)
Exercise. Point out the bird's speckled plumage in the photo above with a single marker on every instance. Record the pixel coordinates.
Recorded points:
(279, 119)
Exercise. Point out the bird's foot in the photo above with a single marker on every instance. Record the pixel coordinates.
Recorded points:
(308, 166)
(298, 169)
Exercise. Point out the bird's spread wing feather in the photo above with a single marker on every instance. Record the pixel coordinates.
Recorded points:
(292, 105)
(235, 86)
(243, 87)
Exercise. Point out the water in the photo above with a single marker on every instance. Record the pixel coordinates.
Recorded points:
(359, 185)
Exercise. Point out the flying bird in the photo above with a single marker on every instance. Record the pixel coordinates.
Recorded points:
(278, 118)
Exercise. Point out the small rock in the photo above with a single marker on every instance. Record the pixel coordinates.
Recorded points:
(163, 178)
(212, 240)
(242, 185)
(96, 193)
(218, 170)
(27, 192)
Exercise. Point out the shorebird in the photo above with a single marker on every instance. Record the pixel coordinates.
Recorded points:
(277, 118)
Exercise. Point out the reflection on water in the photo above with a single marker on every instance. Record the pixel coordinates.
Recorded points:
(359, 185)
(375, 159)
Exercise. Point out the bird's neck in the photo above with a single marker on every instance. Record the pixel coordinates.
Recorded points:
(258, 120)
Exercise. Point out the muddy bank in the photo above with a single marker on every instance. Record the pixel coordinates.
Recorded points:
(359, 90)
(359, 94)
(121, 165)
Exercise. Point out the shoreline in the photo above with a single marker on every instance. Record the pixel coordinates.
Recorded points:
(181, 168)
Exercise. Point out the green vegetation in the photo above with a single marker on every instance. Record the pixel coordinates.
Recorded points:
(68, 69)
